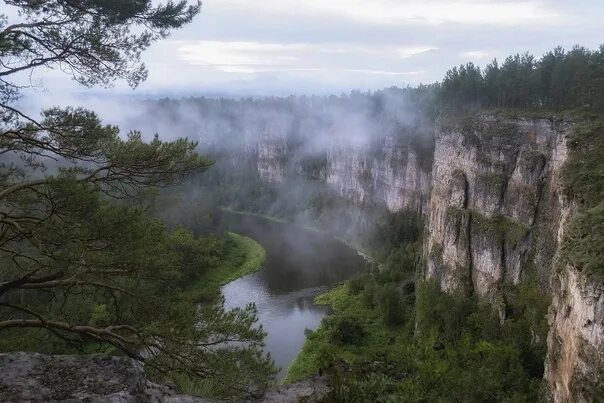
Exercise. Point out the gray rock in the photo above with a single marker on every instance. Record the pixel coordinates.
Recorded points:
(32, 377)
(309, 391)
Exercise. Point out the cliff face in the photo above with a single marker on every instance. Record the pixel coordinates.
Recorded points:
(388, 171)
(495, 215)
(495, 202)
(575, 358)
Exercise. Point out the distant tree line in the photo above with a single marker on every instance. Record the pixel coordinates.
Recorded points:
(559, 80)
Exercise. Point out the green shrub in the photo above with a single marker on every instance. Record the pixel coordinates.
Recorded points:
(357, 284)
(583, 244)
(583, 179)
(368, 295)
(583, 172)
(345, 330)
(389, 303)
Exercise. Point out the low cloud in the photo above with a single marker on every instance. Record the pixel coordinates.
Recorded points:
(414, 51)
(477, 55)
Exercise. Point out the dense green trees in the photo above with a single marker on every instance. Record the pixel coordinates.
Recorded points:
(558, 80)
(398, 340)
(83, 267)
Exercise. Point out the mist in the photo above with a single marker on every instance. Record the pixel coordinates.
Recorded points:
(316, 161)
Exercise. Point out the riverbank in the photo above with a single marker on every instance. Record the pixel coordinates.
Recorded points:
(242, 256)
(367, 336)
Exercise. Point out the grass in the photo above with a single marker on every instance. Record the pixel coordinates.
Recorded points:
(242, 256)
(318, 349)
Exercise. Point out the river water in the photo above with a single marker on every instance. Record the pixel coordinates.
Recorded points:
(300, 264)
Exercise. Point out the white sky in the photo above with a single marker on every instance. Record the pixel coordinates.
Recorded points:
(277, 47)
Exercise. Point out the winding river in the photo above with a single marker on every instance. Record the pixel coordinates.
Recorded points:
(300, 264)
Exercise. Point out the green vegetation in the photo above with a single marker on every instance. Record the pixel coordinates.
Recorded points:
(390, 338)
(335, 340)
(583, 245)
(477, 131)
(461, 350)
(491, 183)
(497, 227)
(500, 227)
(241, 256)
(559, 80)
(583, 173)
(583, 179)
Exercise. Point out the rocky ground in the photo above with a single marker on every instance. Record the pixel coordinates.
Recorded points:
(32, 377)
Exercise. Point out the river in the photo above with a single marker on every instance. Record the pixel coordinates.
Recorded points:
(300, 264)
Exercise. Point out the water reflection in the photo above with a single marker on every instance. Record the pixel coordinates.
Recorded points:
(300, 265)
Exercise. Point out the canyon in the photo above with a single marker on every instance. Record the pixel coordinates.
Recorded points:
(495, 215)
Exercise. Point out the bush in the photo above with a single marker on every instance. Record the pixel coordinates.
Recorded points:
(583, 244)
(357, 284)
(345, 330)
(390, 304)
(368, 295)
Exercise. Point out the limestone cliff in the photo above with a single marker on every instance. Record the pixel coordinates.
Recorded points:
(495, 202)
(390, 173)
(497, 215)
(575, 359)
(386, 171)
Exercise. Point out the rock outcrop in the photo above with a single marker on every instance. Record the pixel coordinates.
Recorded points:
(575, 358)
(32, 377)
(391, 173)
(386, 171)
(497, 215)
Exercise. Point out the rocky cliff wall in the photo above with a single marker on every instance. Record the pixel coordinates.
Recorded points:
(391, 173)
(388, 171)
(497, 215)
(495, 202)
(575, 359)
(574, 366)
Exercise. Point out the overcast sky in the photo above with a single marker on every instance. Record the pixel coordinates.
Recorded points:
(277, 47)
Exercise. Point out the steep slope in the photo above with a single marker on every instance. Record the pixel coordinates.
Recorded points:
(495, 202)
(575, 358)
